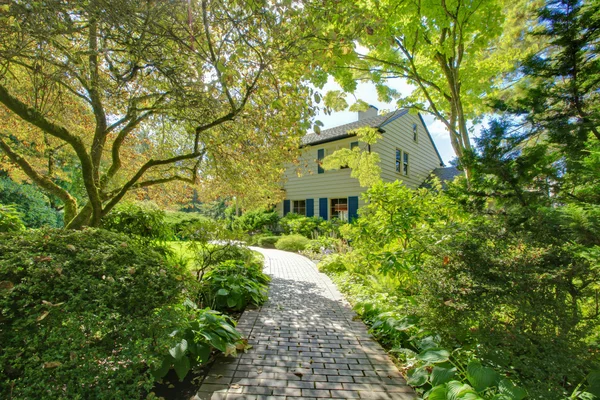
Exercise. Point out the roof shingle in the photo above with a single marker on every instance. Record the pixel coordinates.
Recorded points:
(342, 131)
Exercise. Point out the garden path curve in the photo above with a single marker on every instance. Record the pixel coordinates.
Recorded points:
(306, 345)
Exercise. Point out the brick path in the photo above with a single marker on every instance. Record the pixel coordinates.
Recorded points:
(306, 345)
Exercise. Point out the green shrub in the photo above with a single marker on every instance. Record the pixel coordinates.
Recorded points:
(78, 314)
(143, 221)
(332, 264)
(256, 221)
(199, 332)
(235, 284)
(292, 243)
(31, 203)
(268, 241)
(10, 219)
(523, 299)
(179, 222)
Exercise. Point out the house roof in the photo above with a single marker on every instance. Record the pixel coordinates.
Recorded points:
(446, 174)
(342, 131)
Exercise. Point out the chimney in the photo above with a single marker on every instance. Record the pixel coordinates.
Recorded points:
(371, 112)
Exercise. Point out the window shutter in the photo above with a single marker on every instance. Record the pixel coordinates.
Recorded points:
(352, 208)
(286, 207)
(323, 208)
(320, 156)
(310, 207)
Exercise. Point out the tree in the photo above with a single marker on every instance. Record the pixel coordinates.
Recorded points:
(450, 51)
(135, 95)
(558, 91)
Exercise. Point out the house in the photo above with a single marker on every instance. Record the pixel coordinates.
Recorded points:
(407, 153)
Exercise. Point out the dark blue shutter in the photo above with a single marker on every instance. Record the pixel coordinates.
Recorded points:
(286, 207)
(323, 208)
(310, 207)
(320, 157)
(352, 208)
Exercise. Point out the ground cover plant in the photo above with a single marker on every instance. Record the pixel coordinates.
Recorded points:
(476, 307)
(78, 313)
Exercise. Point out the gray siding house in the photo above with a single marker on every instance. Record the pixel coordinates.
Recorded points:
(407, 153)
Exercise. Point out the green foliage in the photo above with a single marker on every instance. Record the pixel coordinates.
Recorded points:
(257, 221)
(178, 222)
(198, 333)
(364, 164)
(396, 226)
(10, 219)
(309, 227)
(332, 264)
(235, 284)
(79, 313)
(30, 202)
(524, 297)
(268, 241)
(292, 243)
(143, 221)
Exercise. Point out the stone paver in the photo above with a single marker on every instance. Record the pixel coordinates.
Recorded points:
(306, 345)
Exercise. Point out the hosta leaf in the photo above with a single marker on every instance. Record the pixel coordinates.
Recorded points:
(434, 356)
(470, 396)
(457, 390)
(202, 352)
(418, 376)
(437, 393)
(232, 302)
(510, 390)
(406, 323)
(179, 350)
(427, 343)
(222, 292)
(440, 375)
(594, 383)
(163, 369)
(481, 377)
(182, 367)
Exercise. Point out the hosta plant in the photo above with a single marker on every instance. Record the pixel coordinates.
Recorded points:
(195, 338)
(234, 285)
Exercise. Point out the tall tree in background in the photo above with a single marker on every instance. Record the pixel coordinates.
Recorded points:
(451, 52)
(136, 94)
(559, 93)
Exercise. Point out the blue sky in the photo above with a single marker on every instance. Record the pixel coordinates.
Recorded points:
(366, 92)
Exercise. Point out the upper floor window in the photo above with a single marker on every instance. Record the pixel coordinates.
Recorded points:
(353, 145)
(299, 207)
(339, 209)
(320, 157)
(415, 132)
(401, 162)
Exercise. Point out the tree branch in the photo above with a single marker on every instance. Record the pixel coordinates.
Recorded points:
(42, 181)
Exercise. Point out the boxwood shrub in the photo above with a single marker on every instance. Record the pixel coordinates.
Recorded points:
(292, 243)
(78, 314)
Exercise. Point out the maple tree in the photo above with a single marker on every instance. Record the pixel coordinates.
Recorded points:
(101, 99)
(452, 52)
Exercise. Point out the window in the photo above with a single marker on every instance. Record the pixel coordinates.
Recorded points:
(401, 162)
(415, 132)
(353, 145)
(320, 157)
(339, 209)
(299, 207)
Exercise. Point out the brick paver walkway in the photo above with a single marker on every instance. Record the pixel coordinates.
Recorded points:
(306, 345)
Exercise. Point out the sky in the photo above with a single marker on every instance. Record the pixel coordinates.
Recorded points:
(367, 93)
